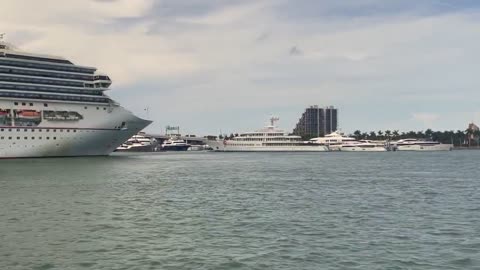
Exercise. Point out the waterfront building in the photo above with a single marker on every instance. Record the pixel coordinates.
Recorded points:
(52, 107)
(317, 121)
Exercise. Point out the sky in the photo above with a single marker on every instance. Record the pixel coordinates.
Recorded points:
(228, 65)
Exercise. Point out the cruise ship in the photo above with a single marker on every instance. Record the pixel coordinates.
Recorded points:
(268, 139)
(50, 107)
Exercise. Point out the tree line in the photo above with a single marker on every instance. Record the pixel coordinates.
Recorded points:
(467, 137)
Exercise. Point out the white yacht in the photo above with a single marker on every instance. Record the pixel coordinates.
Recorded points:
(138, 143)
(52, 107)
(268, 139)
(364, 146)
(420, 145)
(334, 140)
(337, 141)
(175, 144)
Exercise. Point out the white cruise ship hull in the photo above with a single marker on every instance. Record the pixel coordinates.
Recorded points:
(99, 133)
(436, 147)
(220, 146)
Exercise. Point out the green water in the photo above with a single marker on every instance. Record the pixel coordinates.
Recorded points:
(242, 211)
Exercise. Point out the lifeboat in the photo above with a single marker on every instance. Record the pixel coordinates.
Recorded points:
(3, 113)
(28, 114)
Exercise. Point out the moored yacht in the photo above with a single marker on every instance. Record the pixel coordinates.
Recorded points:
(420, 145)
(175, 144)
(268, 139)
(138, 143)
(364, 146)
(334, 140)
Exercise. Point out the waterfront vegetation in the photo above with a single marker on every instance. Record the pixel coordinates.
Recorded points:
(467, 137)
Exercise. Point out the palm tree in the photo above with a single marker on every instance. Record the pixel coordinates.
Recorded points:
(460, 136)
(469, 134)
(380, 134)
(429, 133)
(372, 135)
(357, 134)
(476, 135)
(395, 134)
(388, 133)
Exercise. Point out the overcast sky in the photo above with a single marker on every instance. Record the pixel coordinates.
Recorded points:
(230, 64)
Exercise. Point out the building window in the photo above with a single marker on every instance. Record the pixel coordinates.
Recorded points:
(15, 103)
(45, 105)
(24, 104)
(31, 104)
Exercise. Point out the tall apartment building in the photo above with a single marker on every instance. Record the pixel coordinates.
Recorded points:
(317, 122)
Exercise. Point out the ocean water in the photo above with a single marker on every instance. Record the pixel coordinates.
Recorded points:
(242, 211)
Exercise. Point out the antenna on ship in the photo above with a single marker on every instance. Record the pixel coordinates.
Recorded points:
(273, 119)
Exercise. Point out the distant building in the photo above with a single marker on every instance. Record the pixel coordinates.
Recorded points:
(473, 128)
(316, 121)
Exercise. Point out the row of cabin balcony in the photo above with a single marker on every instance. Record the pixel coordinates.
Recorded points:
(8, 61)
(53, 75)
(42, 81)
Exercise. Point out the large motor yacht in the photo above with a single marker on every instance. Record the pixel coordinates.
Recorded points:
(175, 144)
(268, 139)
(364, 146)
(337, 141)
(52, 107)
(138, 143)
(334, 140)
(420, 145)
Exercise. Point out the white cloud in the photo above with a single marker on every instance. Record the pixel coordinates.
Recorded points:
(427, 119)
